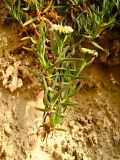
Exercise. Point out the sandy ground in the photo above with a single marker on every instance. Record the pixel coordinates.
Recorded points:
(92, 129)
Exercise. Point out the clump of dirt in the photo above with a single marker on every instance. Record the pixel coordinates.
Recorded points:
(11, 79)
(110, 41)
(14, 65)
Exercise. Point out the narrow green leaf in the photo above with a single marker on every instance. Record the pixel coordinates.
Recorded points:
(37, 74)
(30, 21)
(28, 49)
(65, 60)
(68, 103)
(60, 129)
(57, 117)
(97, 45)
(42, 110)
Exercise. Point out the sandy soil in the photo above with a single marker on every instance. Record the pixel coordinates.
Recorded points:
(92, 129)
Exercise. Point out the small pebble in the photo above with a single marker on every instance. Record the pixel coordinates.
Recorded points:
(57, 155)
(7, 130)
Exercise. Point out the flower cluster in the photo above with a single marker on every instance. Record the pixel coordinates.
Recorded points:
(62, 29)
(89, 51)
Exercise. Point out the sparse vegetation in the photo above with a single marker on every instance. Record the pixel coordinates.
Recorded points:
(59, 32)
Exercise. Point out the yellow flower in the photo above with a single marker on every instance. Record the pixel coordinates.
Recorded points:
(89, 51)
(62, 29)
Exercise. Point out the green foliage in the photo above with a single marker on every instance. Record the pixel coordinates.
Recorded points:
(15, 9)
(97, 19)
(41, 45)
(59, 74)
